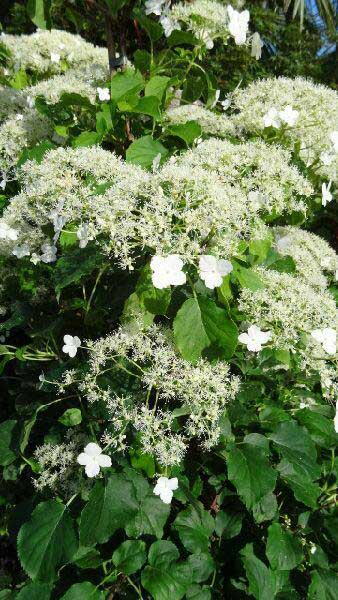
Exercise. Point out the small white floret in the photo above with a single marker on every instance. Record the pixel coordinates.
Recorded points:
(71, 344)
(165, 487)
(93, 459)
(254, 338)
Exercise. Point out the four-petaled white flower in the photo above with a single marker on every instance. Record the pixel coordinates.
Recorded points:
(256, 46)
(21, 251)
(225, 103)
(326, 194)
(167, 270)
(334, 140)
(165, 487)
(327, 337)
(238, 24)
(71, 344)
(48, 253)
(271, 118)
(7, 232)
(93, 459)
(212, 270)
(83, 235)
(55, 57)
(103, 94)
(255, 338)
(289, 115)
(168, 24)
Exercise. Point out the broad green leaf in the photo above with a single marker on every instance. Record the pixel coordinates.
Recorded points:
(195, 526)
(324, 585)
(148, 105)
(135, 312)
(284, 264)
(296, 446)
(142, 460)
(111, 505)
(150, 518)
(250, 472)
(301, 484)
(202, 565)
(82, 591)
(130, 556)
(259, 249)
(181, 38)
(164, 584)
(247, 278)
(228, 524)
(87, 558)
(143, 151)
(20, 80)
(142, 60)
(39, 13)
(36, 153)
(71, 417)
(265, 509)
(262, 584)
(7, 442)
(72, 267)
(283, 549)
(46, 541)
(162, 553)
(124, 84)
(86, 138)
(35, 591)
(320, 428)
(188, 132)
(196, 592)
(157, 86)
(200, 324)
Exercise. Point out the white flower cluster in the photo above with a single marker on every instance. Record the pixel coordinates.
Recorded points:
(265, 173)
(315, 260)
(211, 123)
(160, 376)
(32, 127)
(310, 113)
(301, 318)
(48, 53)
(209, 20)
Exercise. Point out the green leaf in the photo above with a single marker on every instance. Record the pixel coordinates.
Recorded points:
(46, 541)
(181, 38)
(196, 592)
(188, 132)
(151, 517)
(142, 61)
(71, 417)
(262, 584)
(296, 446)
(157, 86)
(87, 558)
(303, 488)
(247, 278)
(228, 524)
(320, 428)
(39, 13)
(162, 553)
(265, 509)
(124, 84)
(143, 461)
(82, 591)
(166, 583)
(35, 591)
(143, 151)
(86, 138)
(75, 265)
(285, 264)
(324, 585)
(199, 324)
(7, 442)
(130, 556)
(283, 549)
(148, 105)
(195, 526)
(259, 249)
(250, 472)
(111, 506)
(36, 153)
(202, 565)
